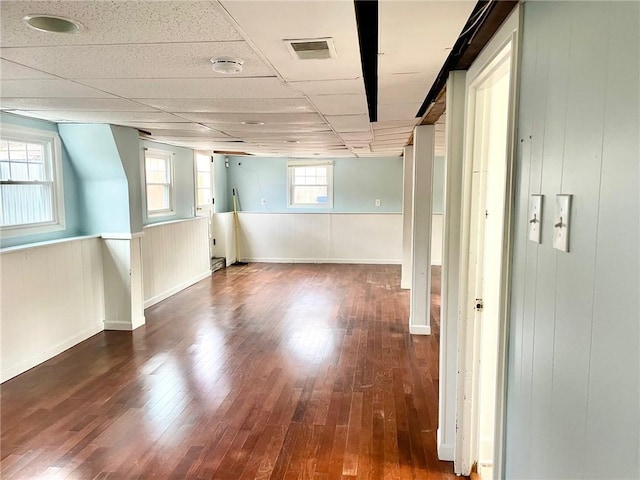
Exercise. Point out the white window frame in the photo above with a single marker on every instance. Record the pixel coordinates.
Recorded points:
(310, 163)
(168, 157)
(53, 154)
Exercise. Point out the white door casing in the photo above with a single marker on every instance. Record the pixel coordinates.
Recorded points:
(500, 55)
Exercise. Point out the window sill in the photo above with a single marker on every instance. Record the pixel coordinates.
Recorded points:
(26, 230)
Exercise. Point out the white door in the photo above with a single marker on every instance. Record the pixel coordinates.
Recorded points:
(488, 276)
(483, 306)
(204, 190)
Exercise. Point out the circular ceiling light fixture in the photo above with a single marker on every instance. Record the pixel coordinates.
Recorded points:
(227, 65)
(52, 24)
(252, 122)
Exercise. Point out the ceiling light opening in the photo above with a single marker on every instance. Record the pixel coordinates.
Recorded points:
(252, 122)
(227, 65)
(52, 24)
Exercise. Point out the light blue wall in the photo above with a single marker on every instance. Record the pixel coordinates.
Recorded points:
(573, 384)
(220, 184)
(103, 184)
(183, 181)
(70, 182)
(128, 145)
(357, 183)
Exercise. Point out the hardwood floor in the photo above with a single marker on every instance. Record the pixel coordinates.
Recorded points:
(264, 371)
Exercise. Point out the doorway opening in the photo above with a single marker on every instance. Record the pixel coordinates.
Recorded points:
(484, 266)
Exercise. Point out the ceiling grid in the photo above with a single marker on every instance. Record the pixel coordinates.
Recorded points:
(147, 65)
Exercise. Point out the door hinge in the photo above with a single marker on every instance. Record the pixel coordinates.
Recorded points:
(213, 201)
(479, 304)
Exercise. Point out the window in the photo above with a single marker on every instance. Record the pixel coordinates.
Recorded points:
(203, 179)
(310, 184)
(158, 166)
(31, 195)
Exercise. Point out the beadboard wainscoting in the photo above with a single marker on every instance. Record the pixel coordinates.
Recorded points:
(175, 255)
(325, 238)
(52, 299)
(222, 227)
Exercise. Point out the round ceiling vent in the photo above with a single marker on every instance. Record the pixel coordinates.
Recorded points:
(227, 65)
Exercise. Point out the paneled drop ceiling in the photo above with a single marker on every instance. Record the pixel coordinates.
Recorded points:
(146, 64)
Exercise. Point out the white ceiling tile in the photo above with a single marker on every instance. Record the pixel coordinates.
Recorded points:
(296, 20)
(407, 88)
(395, 123)
(178, 136)
(403, 38)
(267, 118)
(377, 130)
(231, 105)
(48, 88)
(169, 60)
(68, 104)
(283, 136)
(349, 123)
(392, 142)
(14, 71)
(195, 88)
(118, 118)
(398, 111)
(109, 22)
(161, 126)
(330, 87)
(41, 115)
(348, 104)
(270, 129)
(357, 136)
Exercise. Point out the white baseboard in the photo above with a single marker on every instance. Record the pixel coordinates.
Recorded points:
(420, 329)
(117, 325)
(445, 451)
(361, 261)
(172, 291)
(49, 353)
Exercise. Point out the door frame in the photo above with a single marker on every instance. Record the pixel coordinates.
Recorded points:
(466, 396)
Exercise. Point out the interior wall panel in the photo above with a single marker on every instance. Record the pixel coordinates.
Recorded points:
(574, 369)
(175, 255)
(327, 238)
(52, 299)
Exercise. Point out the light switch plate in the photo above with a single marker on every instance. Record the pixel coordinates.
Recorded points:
(562, 223)
(535, 218)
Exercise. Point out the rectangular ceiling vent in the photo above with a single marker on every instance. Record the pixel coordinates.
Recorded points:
(311, 48)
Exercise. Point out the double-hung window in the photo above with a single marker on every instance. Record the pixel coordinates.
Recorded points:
(310, 184)
(158, 166)
(31, 194)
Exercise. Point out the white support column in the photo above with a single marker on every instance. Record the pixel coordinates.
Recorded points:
(123, 293)
(451, 265)
(407, 216)
(423, 153)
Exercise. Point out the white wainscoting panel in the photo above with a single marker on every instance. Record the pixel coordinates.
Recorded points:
(327, 238)
(321, 238)
(175, 255)
(52, 298)
(222, 229)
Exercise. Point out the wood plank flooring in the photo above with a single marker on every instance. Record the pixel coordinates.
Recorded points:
(264, 371)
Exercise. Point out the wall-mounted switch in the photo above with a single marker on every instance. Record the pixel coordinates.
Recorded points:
(535, 218)
(562, 223)
(377, 202)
